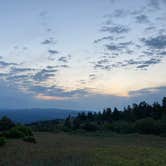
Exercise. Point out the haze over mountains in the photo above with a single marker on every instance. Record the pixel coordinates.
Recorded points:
(36, 114)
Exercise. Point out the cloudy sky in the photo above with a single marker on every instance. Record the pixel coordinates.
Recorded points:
(82, 54)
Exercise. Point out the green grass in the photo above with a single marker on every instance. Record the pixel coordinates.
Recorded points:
(91, 150)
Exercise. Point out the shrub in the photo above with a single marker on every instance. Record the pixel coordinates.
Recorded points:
(122, 127)
(162, 126)
(76, 124)
(90, 127)
(66, 129)
(2, 141)
(146, 126)
(14, 133)
(6, 124)
(25, 130)
(18, 132)
(30, 139)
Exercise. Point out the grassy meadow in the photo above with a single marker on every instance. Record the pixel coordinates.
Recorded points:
(63, 149)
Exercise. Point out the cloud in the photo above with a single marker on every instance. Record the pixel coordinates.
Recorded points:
(20, 70)
(64, 66)
(7, 64)
(50, 98)
(116, 29)
(157, 42)
(112, 1)
(48, 41)
(3, 75)
(43, 13)
(150, 28)
(142, 19)
(107, 67)
(138, 46)
(104, 38)
(140, 64)
(63, 59)
(53, 51)
(163, 53)
(106, 64)
(92, 76)
(155, 4)
(11, 97)
(17, 78)
(120, 13)
(149, 62)
(55, 92)
(118, 46)
(148, 91)
(44, 74)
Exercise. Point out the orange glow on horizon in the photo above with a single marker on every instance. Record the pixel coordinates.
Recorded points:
(45, 97)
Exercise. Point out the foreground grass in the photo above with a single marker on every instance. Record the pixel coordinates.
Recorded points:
(77, 150)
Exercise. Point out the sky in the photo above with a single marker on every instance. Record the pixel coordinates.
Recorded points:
(81, 54)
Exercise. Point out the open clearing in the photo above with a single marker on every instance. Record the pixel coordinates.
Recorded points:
(77, 150)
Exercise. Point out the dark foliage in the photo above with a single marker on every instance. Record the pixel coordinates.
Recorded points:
(18, 131)
(11, 130)
(147, 126)
(2, 141)
(13, 133)
(47, 126)
(6, 124)
(90, 127)
(141, 118)
(30, 139)
(122, 127)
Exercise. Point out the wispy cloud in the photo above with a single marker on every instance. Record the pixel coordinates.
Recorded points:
(7, 64)
(155, 42)
(142, 19)
(44, 74)
(116, 29)
(52, 52)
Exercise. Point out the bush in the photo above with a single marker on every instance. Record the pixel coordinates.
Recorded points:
(90, 127)
(122, 127)
(29, 139)
(6, 124)
(66, 129)
(25, 130)
(18, 132)
(2, 141)
(146, 126)
(14, 133)
(76, 124)
(162, 126)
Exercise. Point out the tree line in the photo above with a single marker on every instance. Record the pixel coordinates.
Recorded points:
(141, 118)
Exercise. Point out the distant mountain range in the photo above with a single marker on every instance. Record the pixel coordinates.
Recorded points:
(37, 114)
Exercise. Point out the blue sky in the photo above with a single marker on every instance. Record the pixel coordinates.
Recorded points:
(82, 54)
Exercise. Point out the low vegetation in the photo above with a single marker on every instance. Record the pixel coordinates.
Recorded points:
(2, 141)
(66, 149)
(29, 139)
(10, 130)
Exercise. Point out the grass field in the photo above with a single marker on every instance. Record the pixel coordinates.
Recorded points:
(77, 150)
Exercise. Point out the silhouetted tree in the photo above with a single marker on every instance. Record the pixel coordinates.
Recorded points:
(164, 103)
(6, 123)
(68, 122)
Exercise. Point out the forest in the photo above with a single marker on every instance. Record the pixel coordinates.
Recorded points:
(140, 118)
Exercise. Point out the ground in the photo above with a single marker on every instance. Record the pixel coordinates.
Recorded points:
(64, 149)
